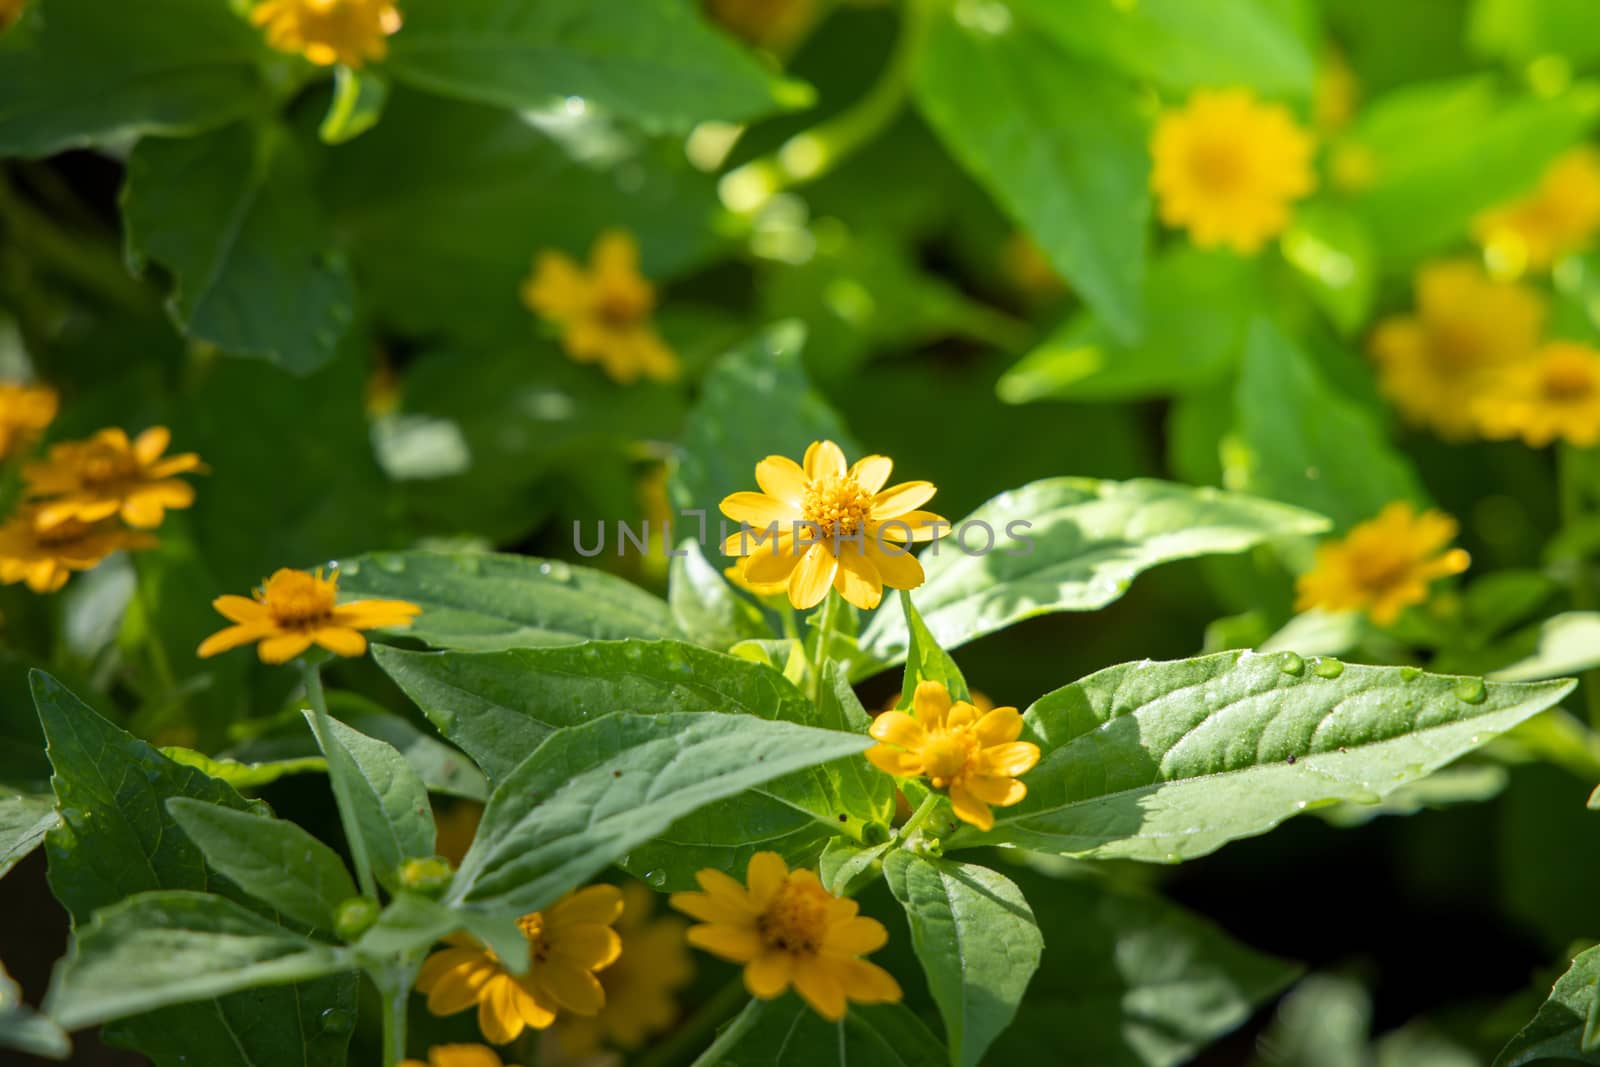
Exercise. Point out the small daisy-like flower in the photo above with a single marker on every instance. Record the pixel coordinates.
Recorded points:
(973, 756)
(567, 943)
(763, 22)
(294, 610)
(1561, 215)
(1227, 168)
(25, 410)
(604, 313)
(329, 31)
(640, 986)
(823, 524)
(1554, 395)
(46, 557)
(110, 475)
(459, 1056)
(788, 930)
(1431, 365)
(1383, 565)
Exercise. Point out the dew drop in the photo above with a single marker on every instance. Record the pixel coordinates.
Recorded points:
(656, 878)
(1328, 667)
(1291, 663)
(337, 1021)
(388, 561)
(1472, 690)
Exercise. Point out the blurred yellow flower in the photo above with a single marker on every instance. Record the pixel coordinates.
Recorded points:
(1561, 215)
(1333, 100)
(640, 986)
(1432, 365)
(974, 756)
(46, 557)
(454, 828)
(294, 610)
(1554, 395)
(1383, 565)
(25, 410)
(832, 528)
(1228, 167)
(567, 943)
(459, 1056)
(329, 31)
(603, 312)
(788, 930)
(10, 11)
(763, 22)
(109, 475)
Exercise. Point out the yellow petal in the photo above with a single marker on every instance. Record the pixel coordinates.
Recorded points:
(768, 974)
(765, 874)
(498, 1015)
(232, 637)
(871, 472)
(900, 499)
(914, 526)
(239, 608)
(998, 726)
(856, 937)
(772, 564)
(1010, 759)
(867, 983)
(818, 984)
(811, 579)
(898, 568)
(594, 904)
(736, 944)
(824, 462)
(895, 761)
(283, 647)
(857, 580)
(1001, 792)
(341, 641)
(759, 510)
(782, 478)
(898, 728)
(574, 988)
(970, 809)
(588, 945)
(931, 702)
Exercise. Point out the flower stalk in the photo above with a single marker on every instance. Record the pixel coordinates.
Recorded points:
(321, 726)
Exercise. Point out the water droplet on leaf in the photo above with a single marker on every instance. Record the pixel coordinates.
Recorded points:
(1472, 690)
(1328, 668)
(1290, 663)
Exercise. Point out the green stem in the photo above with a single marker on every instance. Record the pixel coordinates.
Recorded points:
(819, 655)
(394, 1023)
(1571, 464)
(322, 726)
(696, 1031)
(924, 812)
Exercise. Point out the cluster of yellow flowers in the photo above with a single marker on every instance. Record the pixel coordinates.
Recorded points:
(86, 499)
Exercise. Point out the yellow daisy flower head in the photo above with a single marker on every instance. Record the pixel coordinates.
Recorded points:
(823, 524)
(604, 312)
(329, 31)
(974, 756)
(459, 1056)
(45, 557)
(763, 22)
(1431, 364)
(1554, 395)
(1227, 167)
(567, 943)
(294, 610)
(25, 410)
(788, 930)
(1561, 215)
(110, 475)
(641, 986)
(1383, 565)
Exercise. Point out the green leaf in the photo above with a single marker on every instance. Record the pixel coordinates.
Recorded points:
(158, 949)
(925, 660)
(23, 1029)
(1569, 643)
(1179, 45)
(481, 601)
(651, 61)
(1198, 307)
(409, 922)
(1128, 979)
(1168, 761)
(977, 940)
(786, 1033)
(390, 801)
(232, 216)
(117, 839)
(592, 793)
(1060, 145)
(245, 775)
(1524, 30)
(1325, 1021)
(847, 868)
(357, 105)
(705, 607)
(1072, 544)
(271, 859)
(755, 402)
(1333, 254)
(1306, 444)
(24, 820)
(86, 73)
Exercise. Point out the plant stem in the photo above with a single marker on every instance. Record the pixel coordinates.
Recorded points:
(1571, 466)
(826, 622)
(322, 726)
(689, 1037)
(923, 813)
(394, 1022)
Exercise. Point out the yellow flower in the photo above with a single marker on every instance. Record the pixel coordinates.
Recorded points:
(10, 11)
(1383, 565)
(788, 930)
(296, 609)
(974, 756)
(567, 943)
(603, 312)
(454, 829)
(329, 31)
(1555, 394)
(45, 557)
(639, 987)
(109, 475)
(1559, 216)
(25, 410)
(833, 528)
(763, 22)
(1432, 365)
(459, 1056)
(1227, 167)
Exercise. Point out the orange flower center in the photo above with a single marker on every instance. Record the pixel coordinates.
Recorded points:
(945, 756)
(532, 926)
(103, 465)
(1216, 166)
(621, 308)
(797, 918)
(63, 533)
(1566, 378)
(1379, 570)
(1455, 345)
(838, 506)
(297, 599)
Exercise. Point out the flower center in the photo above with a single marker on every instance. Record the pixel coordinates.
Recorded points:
(102, 466)
(838, 506)
(1216, 166)
(621, 308)
(297, 599)
(797, 918)
(1379, 571)
(1566, 379)
(62, 533)
(945, 756)
(532, 926)
(1455, 345)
